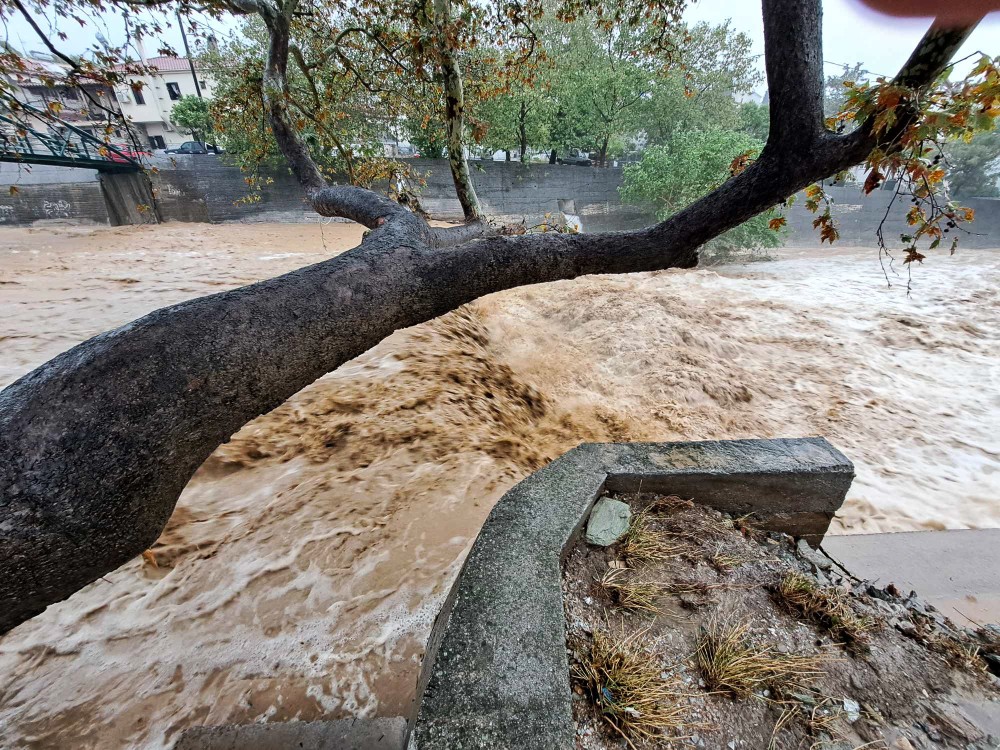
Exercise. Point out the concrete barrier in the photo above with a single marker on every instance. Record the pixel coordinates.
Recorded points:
(129, 199)
(495, 674)
(211, 189)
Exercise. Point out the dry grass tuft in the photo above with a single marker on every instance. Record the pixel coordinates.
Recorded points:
(827, 607)
(644, 545)
(727, 562)
(728, 660)
(624, 683)
(668, 504)
(627, 593)
(962, 653)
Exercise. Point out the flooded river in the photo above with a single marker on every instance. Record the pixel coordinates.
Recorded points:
(306, 560)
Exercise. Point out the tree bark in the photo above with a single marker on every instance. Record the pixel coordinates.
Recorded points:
(522, 129)
(98, 443)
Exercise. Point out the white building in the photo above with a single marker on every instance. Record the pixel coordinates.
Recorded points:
(43, 84)
(149, 107)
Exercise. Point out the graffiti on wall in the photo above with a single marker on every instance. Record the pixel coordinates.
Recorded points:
(57, 209)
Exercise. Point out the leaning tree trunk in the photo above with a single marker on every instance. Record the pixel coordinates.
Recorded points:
(98, 443)
(454, 114)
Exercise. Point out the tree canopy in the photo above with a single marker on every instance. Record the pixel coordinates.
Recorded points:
(191, 114)
(691, 164)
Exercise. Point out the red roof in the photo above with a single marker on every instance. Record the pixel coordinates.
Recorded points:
(166, 64)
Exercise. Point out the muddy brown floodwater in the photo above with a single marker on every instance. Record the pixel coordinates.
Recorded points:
(302, 569)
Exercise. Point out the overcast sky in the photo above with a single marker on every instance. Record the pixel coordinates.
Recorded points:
(851, 33)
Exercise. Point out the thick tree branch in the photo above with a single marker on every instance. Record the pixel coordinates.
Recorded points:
(929, 59)
(357, 204)
(442, 237)
(275, 91)
(793, 56)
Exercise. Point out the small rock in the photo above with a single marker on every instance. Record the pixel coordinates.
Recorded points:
(902, 744)
(852, 709)
(732, 745)
(818, 559)
(608, 522)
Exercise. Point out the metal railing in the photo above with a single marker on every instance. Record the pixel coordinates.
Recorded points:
(69, 146)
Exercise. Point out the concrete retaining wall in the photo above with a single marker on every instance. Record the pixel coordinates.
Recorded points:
(208, 188)
(197, 188)
(78, 202)
(129, 199)
(495, 673)
(858, 217)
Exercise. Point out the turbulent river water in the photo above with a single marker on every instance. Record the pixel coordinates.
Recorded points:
(305, 562)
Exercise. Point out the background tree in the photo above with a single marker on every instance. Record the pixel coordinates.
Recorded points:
(690, 165)
(428, 136)
(600, 87)
(755, 120)
(191, 114)
(973, 167)
(716, 66)
(835, 92)
(339, 116)
(516, 121)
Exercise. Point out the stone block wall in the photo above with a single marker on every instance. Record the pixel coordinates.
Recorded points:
(77, 202)
(210, 189)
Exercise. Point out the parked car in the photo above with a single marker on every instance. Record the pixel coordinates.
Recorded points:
(194, 147)
(124, 151)
(576, 158)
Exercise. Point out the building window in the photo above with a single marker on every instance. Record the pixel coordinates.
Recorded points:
(139, 98)
(203, 84)
(156, 141)
(174, 91)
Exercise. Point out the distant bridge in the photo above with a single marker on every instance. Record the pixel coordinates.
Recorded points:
(73, 147)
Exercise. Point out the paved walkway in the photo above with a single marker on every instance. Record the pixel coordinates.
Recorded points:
(956, 571)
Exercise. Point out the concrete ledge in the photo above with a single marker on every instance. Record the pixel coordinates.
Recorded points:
(496, 674)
